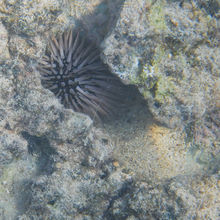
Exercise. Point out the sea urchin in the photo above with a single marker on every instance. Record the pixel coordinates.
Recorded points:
(73, 71)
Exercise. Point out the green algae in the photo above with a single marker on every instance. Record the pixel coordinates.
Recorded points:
(157, 16)
(152, 81)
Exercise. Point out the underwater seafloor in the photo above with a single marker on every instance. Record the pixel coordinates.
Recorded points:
(159, 160)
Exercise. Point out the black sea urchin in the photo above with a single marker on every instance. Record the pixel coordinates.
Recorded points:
(73, 71)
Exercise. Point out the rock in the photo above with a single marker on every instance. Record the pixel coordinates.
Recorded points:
(3, 43)
(59, 164)
(15, 166)
(170, 52)
(179, 198)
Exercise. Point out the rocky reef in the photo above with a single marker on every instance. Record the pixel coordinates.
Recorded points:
(159, 160)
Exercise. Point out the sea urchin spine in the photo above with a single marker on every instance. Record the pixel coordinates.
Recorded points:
(73, 71)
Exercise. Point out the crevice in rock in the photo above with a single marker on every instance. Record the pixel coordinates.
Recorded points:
(40, 146)
(124, 194)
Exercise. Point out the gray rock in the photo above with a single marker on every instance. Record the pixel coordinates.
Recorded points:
(170, 51)
(179, 198)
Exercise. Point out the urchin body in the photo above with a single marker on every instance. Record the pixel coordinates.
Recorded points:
(73, 71)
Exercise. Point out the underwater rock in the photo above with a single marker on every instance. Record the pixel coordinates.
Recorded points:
(56, 164)
(170, 51)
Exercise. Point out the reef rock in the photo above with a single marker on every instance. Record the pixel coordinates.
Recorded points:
(59, 164)
(170, 51)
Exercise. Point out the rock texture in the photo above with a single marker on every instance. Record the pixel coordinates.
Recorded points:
(171, 52)
(58, 164)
